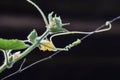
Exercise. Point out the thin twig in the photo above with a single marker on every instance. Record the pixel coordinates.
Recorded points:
(25, 68)
(111, 21)
(18, 71)
(22, 65)
(49, 57)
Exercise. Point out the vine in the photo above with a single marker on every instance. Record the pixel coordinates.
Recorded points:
(54, 27)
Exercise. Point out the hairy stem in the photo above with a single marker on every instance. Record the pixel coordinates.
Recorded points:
(4, 66)
(23, 54)
(28, 50)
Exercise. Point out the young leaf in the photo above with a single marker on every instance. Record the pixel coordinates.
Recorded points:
(32, 36)
(58, 21)
(11, 44)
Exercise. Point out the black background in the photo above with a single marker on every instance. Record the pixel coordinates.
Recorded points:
(97, 58)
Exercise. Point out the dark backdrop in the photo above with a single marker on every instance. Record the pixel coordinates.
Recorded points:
(97, 58)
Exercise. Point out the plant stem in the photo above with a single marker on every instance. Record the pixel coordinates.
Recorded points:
(6, 62)
(3, 67)
(33, 46)
(23, 54)
(6, 57)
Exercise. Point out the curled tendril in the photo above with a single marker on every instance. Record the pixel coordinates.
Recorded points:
(41, 12)
(79, 32)
(60, 31)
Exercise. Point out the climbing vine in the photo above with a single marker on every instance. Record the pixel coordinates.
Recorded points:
(54, 27)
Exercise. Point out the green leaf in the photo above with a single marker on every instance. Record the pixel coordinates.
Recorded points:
(32, 36)
(11, 44)
(58, 21)
(58, 29)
